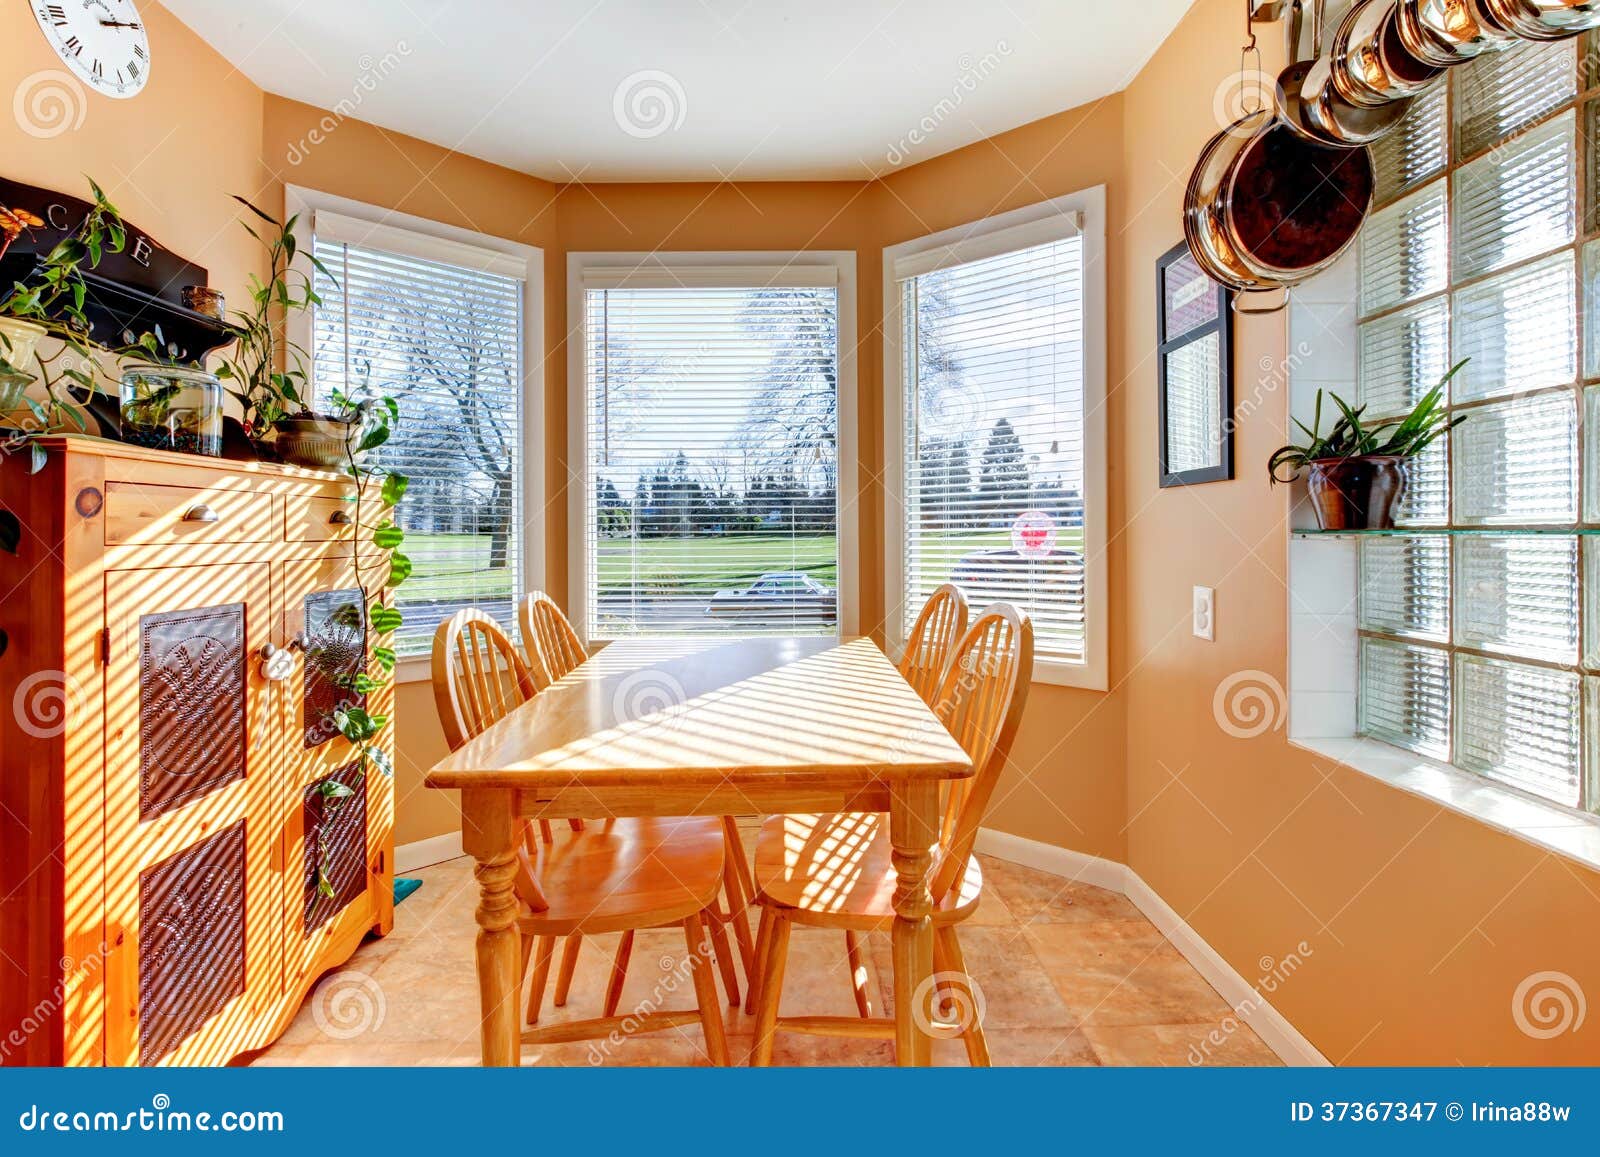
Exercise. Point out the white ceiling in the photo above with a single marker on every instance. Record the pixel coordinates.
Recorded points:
(752, 89)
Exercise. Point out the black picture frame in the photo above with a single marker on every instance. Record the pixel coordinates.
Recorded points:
(1199, 316)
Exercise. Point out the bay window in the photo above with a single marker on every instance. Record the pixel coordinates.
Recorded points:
(442, 320)
(994, 375)
(712, 445)
(1476, 621)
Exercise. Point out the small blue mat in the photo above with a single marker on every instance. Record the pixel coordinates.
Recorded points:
(404, 888)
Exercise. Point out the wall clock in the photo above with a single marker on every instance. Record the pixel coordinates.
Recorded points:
(103, 42)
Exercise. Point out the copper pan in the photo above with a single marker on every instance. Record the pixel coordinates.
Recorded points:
(1315, 105)
(1448, 32)
(1371, 64)
(1541, 19)
(1266, 208)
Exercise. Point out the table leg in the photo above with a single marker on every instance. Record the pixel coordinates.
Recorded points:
(488, 836)
(913, 830)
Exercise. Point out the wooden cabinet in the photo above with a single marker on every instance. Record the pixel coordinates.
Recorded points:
(186, 844)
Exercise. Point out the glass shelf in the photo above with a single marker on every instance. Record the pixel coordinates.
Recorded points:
(1414, 531)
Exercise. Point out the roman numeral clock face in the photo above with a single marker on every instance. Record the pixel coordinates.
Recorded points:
(102, 41)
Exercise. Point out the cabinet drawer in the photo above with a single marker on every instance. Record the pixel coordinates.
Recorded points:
(319, 519)
(137, 514)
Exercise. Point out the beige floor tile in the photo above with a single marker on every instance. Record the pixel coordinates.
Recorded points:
(1070, 975)
(1034, 897)
(1172, 1045)
(1118, 973)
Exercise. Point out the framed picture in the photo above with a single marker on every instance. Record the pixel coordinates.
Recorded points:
(1194, 373)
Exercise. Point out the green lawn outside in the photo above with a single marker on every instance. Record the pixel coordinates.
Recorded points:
(456, 566)
(715, 563)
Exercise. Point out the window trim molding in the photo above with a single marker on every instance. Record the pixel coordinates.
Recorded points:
(666, 269)
(1081, 213)
(420, 237)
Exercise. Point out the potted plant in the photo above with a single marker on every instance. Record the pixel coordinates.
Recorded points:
(1357, 473)
(268, 378)
(267, 370)
(50, 303)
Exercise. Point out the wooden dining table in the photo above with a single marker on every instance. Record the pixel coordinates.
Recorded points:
(711, 728)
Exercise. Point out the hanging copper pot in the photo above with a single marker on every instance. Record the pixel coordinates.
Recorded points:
(1448, 32)
(1371, 65)
(1541, 19)
(1266, 208)
(1315, 104)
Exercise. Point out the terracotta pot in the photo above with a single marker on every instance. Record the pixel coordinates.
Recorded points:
(1357, 493)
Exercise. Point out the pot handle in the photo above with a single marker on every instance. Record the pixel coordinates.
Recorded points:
(1297, 16)
(1242, 309)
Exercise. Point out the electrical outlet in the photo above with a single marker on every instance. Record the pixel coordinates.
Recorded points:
(1205, 613)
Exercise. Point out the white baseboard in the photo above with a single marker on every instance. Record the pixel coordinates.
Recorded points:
(425, 853)
(1075, 866)
(1248, 1003)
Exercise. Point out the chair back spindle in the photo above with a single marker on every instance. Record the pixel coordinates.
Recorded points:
(552, 644)
(980, 701)
(939, 627)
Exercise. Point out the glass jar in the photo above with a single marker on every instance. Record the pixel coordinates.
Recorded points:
(172, 408)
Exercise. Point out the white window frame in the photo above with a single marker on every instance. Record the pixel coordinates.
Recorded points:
(1081, 213)
(597, 270)
(362, 224)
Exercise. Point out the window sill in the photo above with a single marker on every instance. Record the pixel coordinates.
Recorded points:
(416, 669)
(1545, 825)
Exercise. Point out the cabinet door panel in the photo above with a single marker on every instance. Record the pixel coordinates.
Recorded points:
(192, 732)
(192, 899)
(335, 845)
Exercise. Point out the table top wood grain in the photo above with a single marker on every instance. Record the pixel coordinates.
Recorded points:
(745, 711)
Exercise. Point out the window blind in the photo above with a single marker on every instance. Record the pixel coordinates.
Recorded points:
(1472, 642)
(993, 449)
(445, 341)
(711, 463)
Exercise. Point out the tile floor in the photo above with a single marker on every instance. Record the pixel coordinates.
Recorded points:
(1070, 975)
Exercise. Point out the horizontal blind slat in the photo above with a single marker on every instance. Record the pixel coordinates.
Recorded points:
(446, 342)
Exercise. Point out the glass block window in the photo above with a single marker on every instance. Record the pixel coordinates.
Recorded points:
(1480, 621)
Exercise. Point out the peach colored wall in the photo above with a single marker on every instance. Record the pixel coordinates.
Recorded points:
(168, 159)
(1065, 782)
(357, 160)
(1421, 923)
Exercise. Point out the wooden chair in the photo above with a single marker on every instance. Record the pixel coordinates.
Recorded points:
(554, 649)
(553, 646)
(939, 627)
(835, 871)
(614, 877)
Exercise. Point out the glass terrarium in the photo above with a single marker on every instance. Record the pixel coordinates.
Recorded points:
(172, 408)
